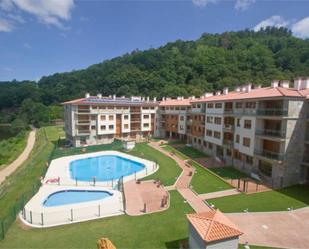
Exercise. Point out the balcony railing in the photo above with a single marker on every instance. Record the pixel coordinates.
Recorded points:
(269, 154)
(83, 122)
(228, 111)
(83, 110)
(272, 112)
(83, 132)
(228, 142)
(228, 127)
(270, 133)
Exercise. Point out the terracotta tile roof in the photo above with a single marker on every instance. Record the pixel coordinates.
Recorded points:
(265, 92)
(175, 102)
(213, 226)
(74, 101)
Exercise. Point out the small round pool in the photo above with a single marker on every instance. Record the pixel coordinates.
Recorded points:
(103, 168)
(66, 197)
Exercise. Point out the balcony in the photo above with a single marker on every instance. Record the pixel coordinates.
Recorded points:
(83, 122)
(270, 133)
(228, 111)
(83, 132)
(227, 142)
(228, 127)
(272, 112)
(269, 154)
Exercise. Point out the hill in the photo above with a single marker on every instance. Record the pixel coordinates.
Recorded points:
(179, 68)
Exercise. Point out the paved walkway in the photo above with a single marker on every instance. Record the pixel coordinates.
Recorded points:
(219, 194)
(288, 229)
(8, 170)
(146, 192)
(183, 181)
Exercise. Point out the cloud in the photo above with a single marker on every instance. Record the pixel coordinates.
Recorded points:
(50, 12)
(301, 28)
(243, 4)
(5, 26)
(203, 3)
(274, 21)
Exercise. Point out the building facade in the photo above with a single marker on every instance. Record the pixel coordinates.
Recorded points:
(97, 120)
(261, 131)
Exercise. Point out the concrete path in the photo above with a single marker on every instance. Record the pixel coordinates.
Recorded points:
(8, 170)
(183, 181)
(289, 229)
(219, 194)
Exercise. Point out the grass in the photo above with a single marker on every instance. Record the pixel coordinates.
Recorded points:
(228, 172)
(12, 147)
(191, 152)
(204, 181)
(168, 171)
(295, 196)
(158, 230)
(175, 151)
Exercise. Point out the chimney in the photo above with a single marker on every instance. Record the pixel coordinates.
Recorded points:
(163, 98)
(123, 97)
(192, 97)
(218, 93)
(225, 90)
(87, 95)
(275, 83)
(99, 95)
(114, 96)
(248, 87)
(237, 89)
(257, 87)
(148, 99)
(178, 98)
(301, 83)
(285, 83)
(207, 94)
(154, 99)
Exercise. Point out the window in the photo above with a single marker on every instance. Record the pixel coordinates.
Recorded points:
(92, 127)
(237, 138)
(182, 118)
(209, 133)
(217, 134)
(217, 120)
(93, 117)
(247, 124)
(249, 160)
(146, 116)
(210, 105)
(250, 105)
(238, 105)
(103, 117)
(110, 107)
(265, 168)
(209, 119)
(210, 146)
(246, 142)
(198, 106)
(238, 122)
(181, 127)
(126, 126)
(111, 117)
(218, 105)
(103, 127)
(126, 117)
(111, 127)
(146, 125)
(228, 152)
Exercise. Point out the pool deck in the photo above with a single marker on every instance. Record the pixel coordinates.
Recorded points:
(146, 193)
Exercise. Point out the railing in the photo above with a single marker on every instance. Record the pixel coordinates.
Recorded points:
(270, 133)
(229, 127)
(83, 132)
(270, 154)
(81, 122)
(83, 110)
(228, 111)
(227, 142)
(271, 112)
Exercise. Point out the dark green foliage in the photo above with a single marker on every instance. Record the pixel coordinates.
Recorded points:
(180, 68)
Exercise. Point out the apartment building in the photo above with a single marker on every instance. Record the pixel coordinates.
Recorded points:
(259, 130)
(99, 120)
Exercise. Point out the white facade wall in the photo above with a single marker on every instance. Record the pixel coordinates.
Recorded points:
(214, 127)
(107, 124)
(125, 122)
(182, 124)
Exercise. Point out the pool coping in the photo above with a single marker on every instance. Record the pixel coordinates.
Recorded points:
(60, 169)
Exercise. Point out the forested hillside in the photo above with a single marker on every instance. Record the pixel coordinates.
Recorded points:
(178, 68)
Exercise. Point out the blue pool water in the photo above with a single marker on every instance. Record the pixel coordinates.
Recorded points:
(74, 196)
(103, 168)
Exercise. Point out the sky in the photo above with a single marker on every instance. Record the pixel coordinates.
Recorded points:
(43, 37)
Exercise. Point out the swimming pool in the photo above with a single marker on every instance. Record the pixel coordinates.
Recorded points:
(66, 197)
(103, 168)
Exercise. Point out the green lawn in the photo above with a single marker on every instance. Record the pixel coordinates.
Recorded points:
(228, 172)
(12, 147)
(168, 171)
(158, 230)
(295, 196)
(24, 182)
(190, 152)
(175, 151)
(204, 181)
